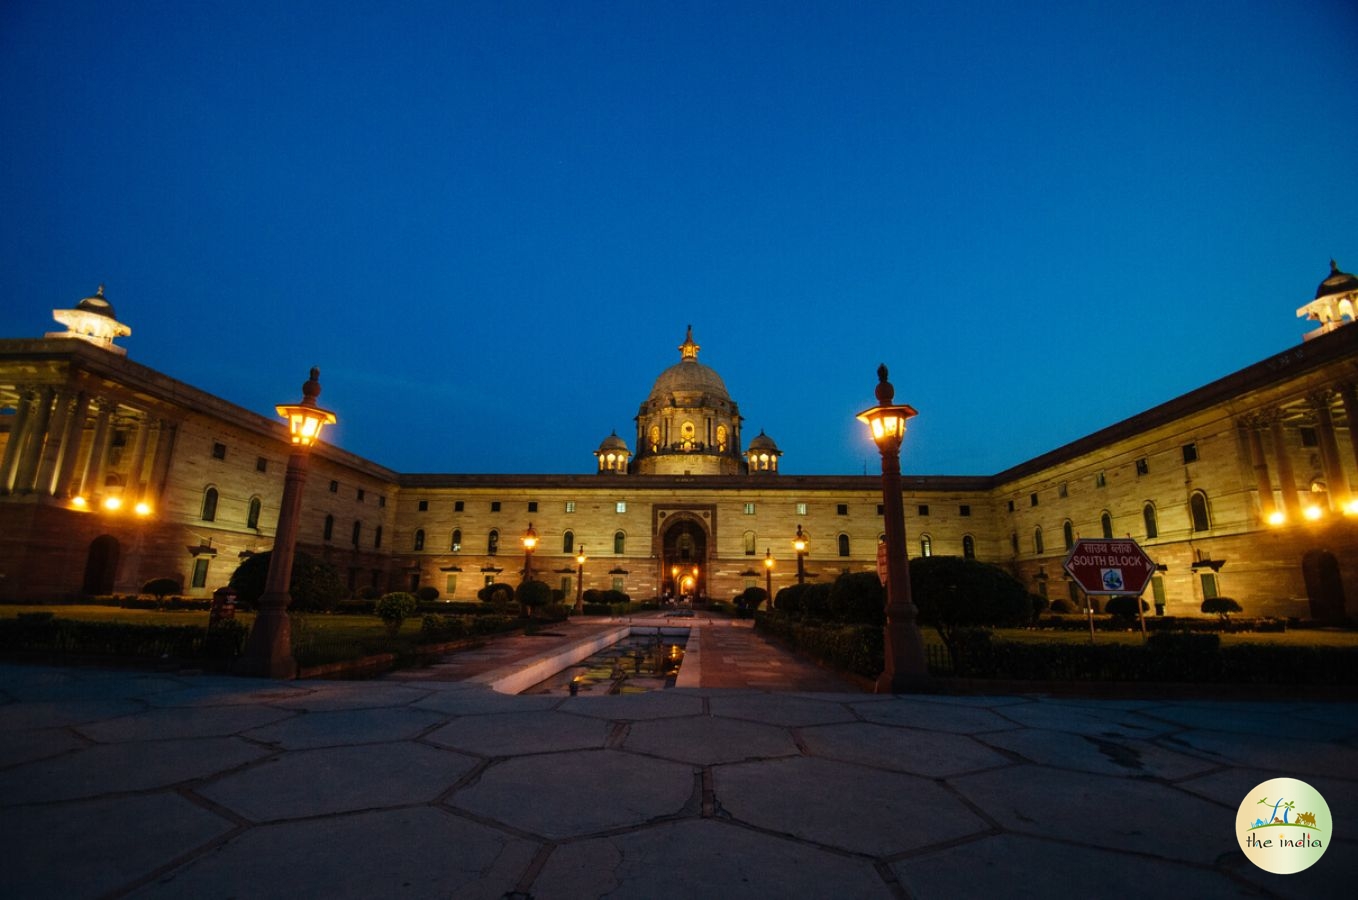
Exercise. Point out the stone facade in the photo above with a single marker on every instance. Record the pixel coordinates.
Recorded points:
(112, 474)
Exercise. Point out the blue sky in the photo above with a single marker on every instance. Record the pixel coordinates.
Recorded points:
(490, 223)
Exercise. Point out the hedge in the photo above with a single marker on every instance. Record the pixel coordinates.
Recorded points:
(849, 648)
(43, 633)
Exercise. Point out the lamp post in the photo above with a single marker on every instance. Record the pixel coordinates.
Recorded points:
(800, 544)
(530, 543)
(268, 652)
(905, 664)
(768, 576)
(580, 582)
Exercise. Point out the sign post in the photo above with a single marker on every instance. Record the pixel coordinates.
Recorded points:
(1110, 567)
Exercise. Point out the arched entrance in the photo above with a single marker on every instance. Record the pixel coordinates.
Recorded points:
(1324, 587)
(101, 566)
(683, 543)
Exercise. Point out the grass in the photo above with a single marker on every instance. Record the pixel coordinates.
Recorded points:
(1305, 637)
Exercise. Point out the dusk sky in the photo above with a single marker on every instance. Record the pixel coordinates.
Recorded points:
(490, 223)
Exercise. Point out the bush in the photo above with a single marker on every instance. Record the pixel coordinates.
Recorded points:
(1221, 606)
(427, 593)
(954, 594)
(1124, 606)
(749, 600)
(533, 595)
(849, 648)
(393, 609)
(497, 592)
(1061, 607)
(858, 598)
(315, 584)
(160, 588)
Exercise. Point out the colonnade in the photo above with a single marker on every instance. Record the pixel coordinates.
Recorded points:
(1318, 411)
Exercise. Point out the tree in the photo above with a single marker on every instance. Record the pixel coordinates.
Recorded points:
(161, 588)
(1123, 606)
(858, 598)
(393, 609)
(1221, 606)
(957, 595)
(315, 585)
(533, 595)
(748, 600)
(427, 593)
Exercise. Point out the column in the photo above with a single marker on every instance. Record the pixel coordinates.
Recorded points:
(134, 482)
(51, 454)
(1286, 480)
(28, 463)
(1260, 463)
(160, 463)
(1335, 480)
(1348, 396)
(93, 479)
(70, 445)
(18, 434)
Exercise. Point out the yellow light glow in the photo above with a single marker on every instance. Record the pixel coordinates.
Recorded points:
(80, 502)
(142, 509)
(112, 504)
(1351, 508)
(1276, 517)
(1313, 513)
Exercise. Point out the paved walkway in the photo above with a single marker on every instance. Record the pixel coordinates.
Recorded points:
(118, 783)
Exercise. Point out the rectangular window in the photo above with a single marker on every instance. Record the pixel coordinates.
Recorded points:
(841, 509)
(489, 580)
(570, 506)
(924, 509)
(450, 587)
(1158, 590)
(377, 537)
(495, 506)
(219, 451)
(458, 505)
(1032, 499)
(964, 510)
(1308, 436)
(749, 509)
(360, 495)
(622, 506)
(801, 509)
(423, 506)
(1209, 585)
(358, 530)
(261, 465)
(1142, 467)
(1062, 491)
(200, 572)
(881, 510)
(334, 487)
(382, 500)
(1100, 479)
(1011, 505)
(532, 506)
(618, 584)
(1190, 453)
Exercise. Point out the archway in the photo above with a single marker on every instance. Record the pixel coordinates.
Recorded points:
(101, 565)
(1324, 586)
(684, 543)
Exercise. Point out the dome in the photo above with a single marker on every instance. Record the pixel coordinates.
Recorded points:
(1338, 283)
(688, 375)
(97, 304)
(762, 442)
(614, 443)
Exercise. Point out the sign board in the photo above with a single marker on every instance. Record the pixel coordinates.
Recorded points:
(1109, 566)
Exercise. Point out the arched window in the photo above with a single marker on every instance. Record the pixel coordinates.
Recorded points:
(968, 546)
(926, 545)
(1037, 540)
(749, 543)
(1106, 523)
(1197, 508)
(619, 543)
(456, 545)
(493, 543)
(329, 530)
(568, 542)
(843, 545)
(1148, 513)
(1068, 533)
(210, 505)
(252, 516)
(419, 538)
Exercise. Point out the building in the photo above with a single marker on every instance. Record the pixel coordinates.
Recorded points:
(112, 474)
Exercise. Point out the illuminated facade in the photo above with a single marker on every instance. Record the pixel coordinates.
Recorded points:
(112, 474)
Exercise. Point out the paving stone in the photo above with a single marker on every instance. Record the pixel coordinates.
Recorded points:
(703, 740)
(633, 707)
(324, 696)
(222, 692)
(702, 858)
(518, 733)
(57, 713)
(1018, 867)
(410, 853)
(1297, 759)
(576, 794)
(348, 726)
(842, 805)
(88, 684)
(779, 709)
(982, 700)
(1103, 755)
(1121, 814)
(189, 722)
(113, 768)
(339, 779)
(91, 848)
(934, 716)
(26, 746)
(900, 749)
(1085, 720)
(1251, 720)
(484, 700)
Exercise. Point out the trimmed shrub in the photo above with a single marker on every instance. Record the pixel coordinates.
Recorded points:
(1221, 606)
(1061, 607)
(427, 593)
(954, 594)
(858, 598)
(160, 588)
(533, 596)
(315, 585)
(393, 609)
(1124, 606)
(849, 648)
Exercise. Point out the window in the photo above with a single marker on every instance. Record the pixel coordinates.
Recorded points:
(261, 465)
(1209, 585)
(1013, 541)
(1037, 541)
(568, 542)
(218, 452)
(842, 509)
(749, 542)
(749, 509)
(924, 509)
(357, 533)
(532, 506)
(1032, 499)
(458, 505)
(200, 572)
(964, 510)
(843, 545)
(1062, 490)
(382, 500)
(1142, 467)
(618, 584)
(360, 495)
(622, 506)
(566, 585)
(1100, 479)
(209, 505)
(377, 538)
(1197, 508)
(1068, 534)
(881, 510)
(329, 530)
(1011, 505)
(334, 487)
(619, 543)
(1106, 524)
(419, 538)
(450, 586)
(456, 544)
(252, 516)
(423, 506)
(926, 545)
(801, 509)
(492, 542)
(570, 506)
(1190, 453)
(495, 506)
(1158, 591)
(1308, 436)
(1148, 513)
(968, 546)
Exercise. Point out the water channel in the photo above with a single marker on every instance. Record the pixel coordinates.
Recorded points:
(634, 665)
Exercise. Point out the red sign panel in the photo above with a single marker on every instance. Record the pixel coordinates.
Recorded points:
(1109, 566)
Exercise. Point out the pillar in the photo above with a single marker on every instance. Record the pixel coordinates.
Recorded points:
(93, 479)
(134, 481)
(1348, 396)
(1265, 487)
(160, 463)
(70, 445)
(9, 466)
(1329, 449)
(1287, 481)
(28, 462)
(51, 453)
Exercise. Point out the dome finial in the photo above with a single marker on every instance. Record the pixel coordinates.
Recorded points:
(688, 349)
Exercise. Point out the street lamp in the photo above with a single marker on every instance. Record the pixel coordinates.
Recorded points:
(268, 652)
(768, 575)
(580, 582)
(530, 543)
(800, 543)
(905, 664)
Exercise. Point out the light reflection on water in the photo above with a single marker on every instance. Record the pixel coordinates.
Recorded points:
(634, 665)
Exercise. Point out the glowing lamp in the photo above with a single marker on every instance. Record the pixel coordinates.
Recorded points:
(79, 502)
(886, 421)
(1276, 517)
(113, 504)
(142, 509)
(1312, 513)
(800, 543)
(306, 419)
(530, 538)
(768, 559)
(580, 557)
(1351, 508)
